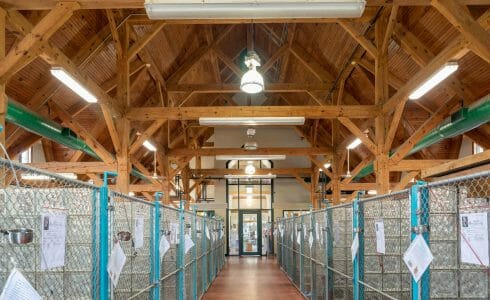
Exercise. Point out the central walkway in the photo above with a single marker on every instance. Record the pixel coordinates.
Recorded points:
(251, 278)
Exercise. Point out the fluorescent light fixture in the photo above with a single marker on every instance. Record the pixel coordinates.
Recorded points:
(253, 9)
(354, 143)
(250, 157)
(148, 145)
(327, 165)
(253, 121)
(436, 78)
(73, 84)
(131, 194)
(230, 176)
(42, 177)
(372, 192)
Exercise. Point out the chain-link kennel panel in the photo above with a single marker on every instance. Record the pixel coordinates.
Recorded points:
(41, 213)
(319, 254)
(189, 256)
(458, 210)
(341, 266)
(170, 228)
(130, 228)
(385, 274)
(198, 238)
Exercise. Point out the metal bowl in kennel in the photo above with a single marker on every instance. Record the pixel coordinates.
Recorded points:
(19, 236)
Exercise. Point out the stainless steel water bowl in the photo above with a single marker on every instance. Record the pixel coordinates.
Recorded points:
(124, 236)
(19, 236)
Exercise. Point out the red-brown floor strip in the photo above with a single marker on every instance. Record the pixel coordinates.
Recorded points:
(252, 278)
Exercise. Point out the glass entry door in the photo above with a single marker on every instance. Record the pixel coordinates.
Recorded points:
(250, 228)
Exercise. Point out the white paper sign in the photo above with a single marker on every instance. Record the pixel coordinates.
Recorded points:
(18, 288)
(310, 240)
(53, 240)
(207, 233)
(174, 233)
(418, 257)
(116, 263)
(164, 246)
(317, 231)
(188, 243)
(380, 236)
(354, 248)
(474, 238)
(298, 238)
(139, 232)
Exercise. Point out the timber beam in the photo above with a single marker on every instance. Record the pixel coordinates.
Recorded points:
(187, 152)
(309, 112)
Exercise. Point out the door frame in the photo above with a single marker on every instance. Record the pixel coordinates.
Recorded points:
(258, 212)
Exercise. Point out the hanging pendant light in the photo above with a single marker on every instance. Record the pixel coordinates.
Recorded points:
(252, 81)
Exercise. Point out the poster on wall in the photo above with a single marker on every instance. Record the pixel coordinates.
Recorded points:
(474, 238)
(53, 240)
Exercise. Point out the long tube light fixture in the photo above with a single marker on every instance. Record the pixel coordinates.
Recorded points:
(354, 143)
(73, 84)
(253, 121)
(253, 9)
(231, 176)
(42, 177)
(250, 157)
(436, 78)
(148, 145)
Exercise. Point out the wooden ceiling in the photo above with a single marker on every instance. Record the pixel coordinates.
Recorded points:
(175, 67)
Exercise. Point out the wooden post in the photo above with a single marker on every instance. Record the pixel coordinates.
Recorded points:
(3, 96)
(123, 99)
(381, 94)
(336, 164)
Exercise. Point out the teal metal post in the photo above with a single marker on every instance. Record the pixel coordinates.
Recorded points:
(194, 253)
(358, 264)
(419, 217)
(104, 237)
(155, 249)
(181, 255)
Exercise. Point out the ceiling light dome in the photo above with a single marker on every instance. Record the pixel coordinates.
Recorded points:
(250, 169)
(252, 81)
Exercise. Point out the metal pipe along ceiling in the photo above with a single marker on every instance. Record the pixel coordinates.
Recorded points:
(460, 122)
(27, 119)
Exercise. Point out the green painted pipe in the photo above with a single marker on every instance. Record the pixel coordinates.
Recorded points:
(25, 118)
(462, 121)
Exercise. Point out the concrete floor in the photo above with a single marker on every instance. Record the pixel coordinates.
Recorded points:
(251, 278)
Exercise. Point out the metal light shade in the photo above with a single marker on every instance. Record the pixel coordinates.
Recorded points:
(252, 82)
